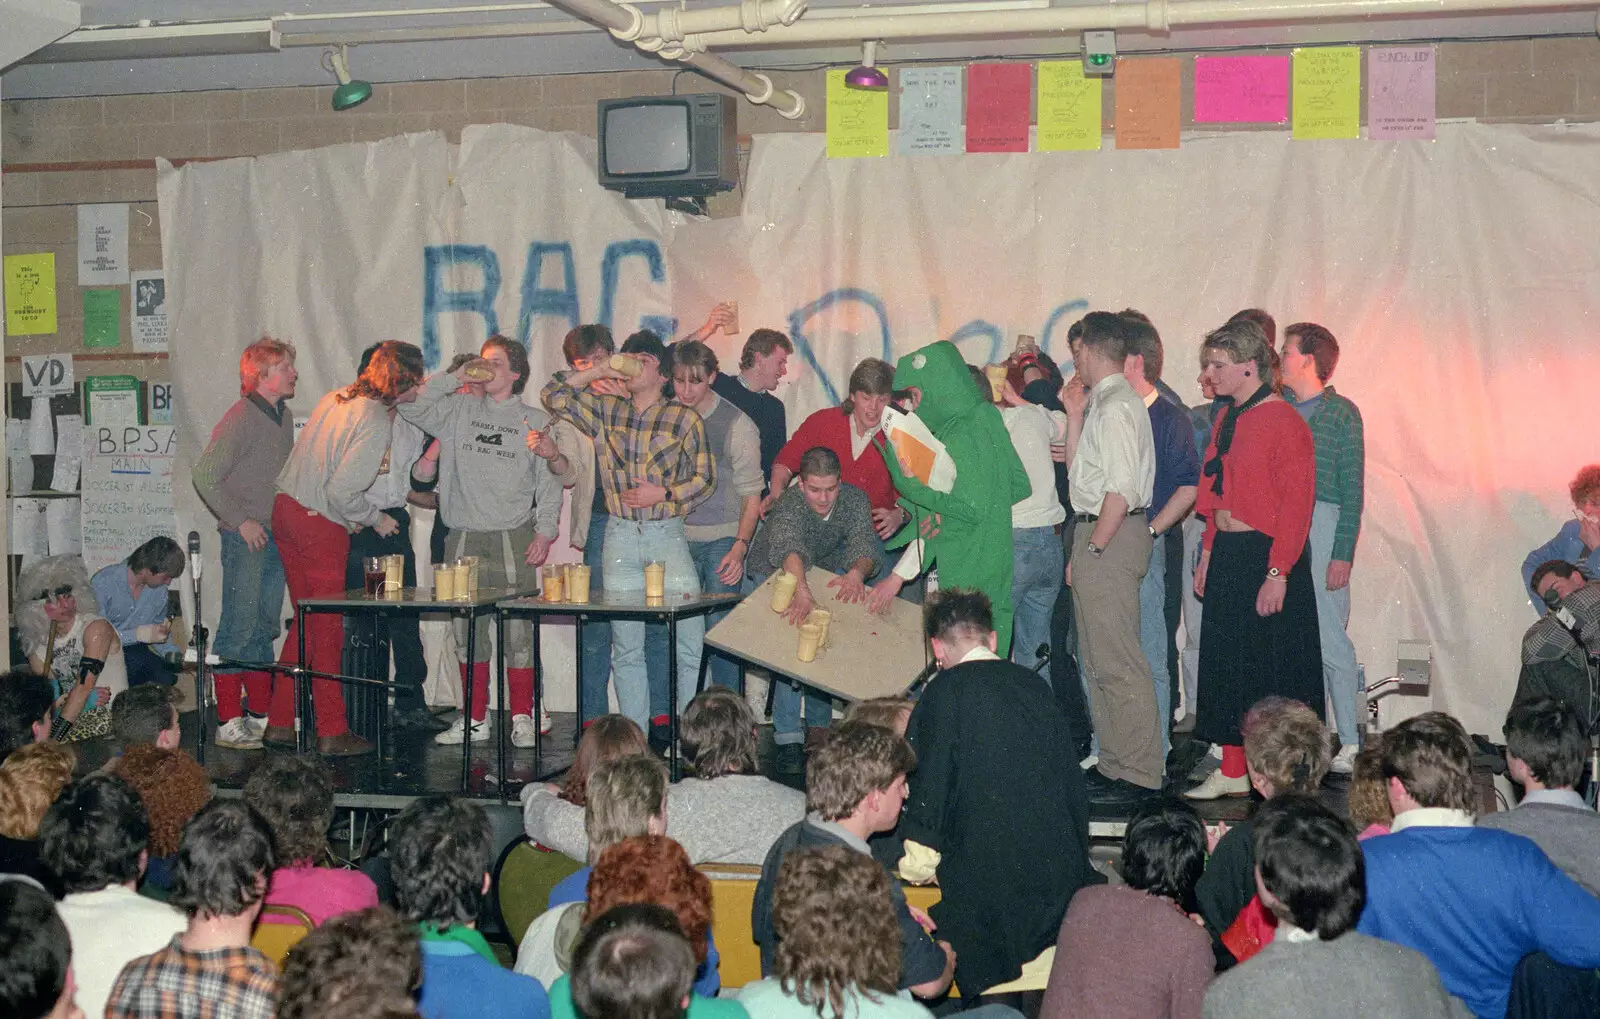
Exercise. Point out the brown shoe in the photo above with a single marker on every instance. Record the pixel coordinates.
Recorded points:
(278, 735)
(346, 744)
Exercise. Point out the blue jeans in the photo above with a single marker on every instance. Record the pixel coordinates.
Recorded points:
(1153, 637)
(1342, 676)
(1037, 576)
(1189, 658)
(252, 600)
(786, 698)
(706, 555)
(597, 639)
(629, 545)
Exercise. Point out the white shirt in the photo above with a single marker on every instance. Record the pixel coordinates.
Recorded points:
(1116, 451)
(1555, 797)
(858, 443)
(1032, 429)
(1430, 817)
(393, 483)
(109, 929)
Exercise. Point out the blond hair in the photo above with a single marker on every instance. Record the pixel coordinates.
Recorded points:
(1287, 744)
(30, 780)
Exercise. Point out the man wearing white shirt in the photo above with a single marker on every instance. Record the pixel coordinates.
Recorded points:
(1111, 478)
(1038, 558)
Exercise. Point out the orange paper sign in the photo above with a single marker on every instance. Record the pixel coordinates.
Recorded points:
(1147, 103)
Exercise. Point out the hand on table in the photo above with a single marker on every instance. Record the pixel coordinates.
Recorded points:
(884, 592)
(800, 607)
(850, 588)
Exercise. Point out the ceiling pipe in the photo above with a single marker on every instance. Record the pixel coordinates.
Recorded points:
(757, 88)
(671, 24)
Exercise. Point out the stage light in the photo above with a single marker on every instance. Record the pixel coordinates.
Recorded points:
(1099, 50)
(351, 91)
(867, 76)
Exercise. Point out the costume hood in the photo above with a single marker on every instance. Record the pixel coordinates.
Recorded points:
(947, 390)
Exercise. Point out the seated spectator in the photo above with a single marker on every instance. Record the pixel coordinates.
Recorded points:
(1578, 540)
(68, 643)
(173, 788)
(295, 798)
(146, 715)
(655, 869)
(838, 949)
(209, 971)
(1368, 797)
(624, 799)
(25, 703)
(133, 599)
(1287, 749)
(1310, 874)
(997, 795)
(440, 850)
(552, 815)
(1133, 951)
(855, 786)
(361, 965)
(1546, 752)
(37, 981)
(1473, 900)
(634, 963)
(30, 780)
(95, 838)
(1554, 662)
(892, 713)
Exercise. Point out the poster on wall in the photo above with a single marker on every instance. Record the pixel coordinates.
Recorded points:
(103, 245)
(127, 490)
(150, 311)
(31, 294)
(46, 375)
(113, 400)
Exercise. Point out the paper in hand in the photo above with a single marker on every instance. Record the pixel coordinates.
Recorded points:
(920, 454)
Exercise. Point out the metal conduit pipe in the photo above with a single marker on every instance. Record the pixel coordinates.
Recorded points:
(671, 24)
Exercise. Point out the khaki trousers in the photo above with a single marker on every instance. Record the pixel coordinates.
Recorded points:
(1122, 701)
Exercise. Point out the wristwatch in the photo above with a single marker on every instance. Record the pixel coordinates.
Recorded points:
(1276, 574)
(1094, 550)
(1152, 531)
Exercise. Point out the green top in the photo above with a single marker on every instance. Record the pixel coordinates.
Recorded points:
(1341, 466)
(699, 1007)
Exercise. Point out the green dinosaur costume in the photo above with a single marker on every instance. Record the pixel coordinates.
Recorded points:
(973, 546)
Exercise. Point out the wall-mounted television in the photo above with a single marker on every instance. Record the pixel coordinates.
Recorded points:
(668, 146)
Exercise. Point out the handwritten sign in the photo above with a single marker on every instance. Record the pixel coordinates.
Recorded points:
(1327, 92)
(858, 120)
(1069, 107)
(1241, 90)
(46, 374)
(1147, 103)
(997, 107)
(30, 294)
(930, 111)
(1400, 93)
(127, 490)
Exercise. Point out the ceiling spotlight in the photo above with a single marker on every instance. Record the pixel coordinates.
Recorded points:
(867, 76)
(351, 91)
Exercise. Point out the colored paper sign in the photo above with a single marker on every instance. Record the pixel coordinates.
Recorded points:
(930, 111)
(1069, 107)
(102, 245)
(102, 318)
(858, 120)
(997, 107)
(1241, 90)
(113, 401)
(1147, 103)
(1327, 92)
(31, 294)
(1400, 92)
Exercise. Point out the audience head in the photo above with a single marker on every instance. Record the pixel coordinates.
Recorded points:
(1237, 358)
(1545, 744)
(1309, 869)
(440, 849)
(1368, 799)
(224, 861)
(25, 704)
(52, 590)
(694, 366)
(980, 379)
(1261, 320)
(1164, 851)
(1585, 490)
(391, 376)
(607, 738)
(632, 962)
(834, 918)
(30, 780)
(145, 714)
(820, 479)
(860, 771)
(586, 346)
(1104, 347)
(1555, 579)
(654, 868)
(1427, 762)
(655, 361)
(361, 965)
(1286, 747)
(95, 835)
(627, 797)
(295, 797)
(510, 362)
(256, 366)
(36, 981)
(172, 787)
(1144, 343)
(955, 620)
(892, 713)
(1075, 341)
(1309, 340)
(157, 561)
(719, 735)
(765, 358)
(870, 388)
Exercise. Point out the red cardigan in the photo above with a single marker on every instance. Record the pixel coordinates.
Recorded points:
(1269, 480)
(831, 428)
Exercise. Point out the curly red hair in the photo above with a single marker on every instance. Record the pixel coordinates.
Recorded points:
(654, 868)
(172, 787)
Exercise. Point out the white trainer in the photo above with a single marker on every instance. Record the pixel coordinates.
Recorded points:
(452, 736)
(544, 721)
(237, 734)
(1217, 785)
(1344, 762)
(257, 725)
(522, 733)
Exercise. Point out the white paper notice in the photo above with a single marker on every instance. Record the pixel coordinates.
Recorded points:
(69, 436)
(150, 310)
(63, 520)
(114, 408)
(102, 245)
(28, 537)
(41, 433)
(930, 111)
(46, 374)
(64, 478)
(17, 457)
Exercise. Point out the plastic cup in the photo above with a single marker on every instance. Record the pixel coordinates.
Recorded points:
(783, 590)
(477, 371)
(444, 583)
(552, 584)
(732, 328)
(810, 640)
(821, 617)
(997, 380)
(394, 573)
(578, 584)
(463, 577)
(655, 580)
(373, 572)
(470, 562)
(628, 366)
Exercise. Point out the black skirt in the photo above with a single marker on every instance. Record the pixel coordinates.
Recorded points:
(1245, 656)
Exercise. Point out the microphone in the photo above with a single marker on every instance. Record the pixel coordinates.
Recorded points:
(194, 557)
(922, 678)
(1554, 602)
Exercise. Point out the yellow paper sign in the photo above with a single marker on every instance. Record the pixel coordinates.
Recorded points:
(1327, 92)
(1069, 107)
(31, 294)
(858, 120)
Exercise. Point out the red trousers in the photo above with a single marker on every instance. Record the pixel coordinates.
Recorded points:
(519, 690)
(230, 688)
(313, 549)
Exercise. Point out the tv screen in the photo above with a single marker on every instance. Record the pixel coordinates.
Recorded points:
(647, 139)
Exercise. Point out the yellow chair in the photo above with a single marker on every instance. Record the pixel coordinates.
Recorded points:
(274, 940)
(523, 877)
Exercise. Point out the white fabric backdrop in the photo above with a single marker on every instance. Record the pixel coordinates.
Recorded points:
(1460, 276)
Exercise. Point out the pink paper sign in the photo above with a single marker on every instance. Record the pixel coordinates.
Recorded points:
(1241, 90)
(1400, 93)
(997, 107)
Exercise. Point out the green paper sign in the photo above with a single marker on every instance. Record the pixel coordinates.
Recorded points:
(102, 318)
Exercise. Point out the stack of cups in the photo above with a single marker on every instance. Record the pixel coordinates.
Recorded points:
(783, 590)
(394, 575)
(821, 618)
(810, 640)
(578, 584)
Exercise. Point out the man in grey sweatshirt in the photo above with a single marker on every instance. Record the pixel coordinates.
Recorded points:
(502, 503)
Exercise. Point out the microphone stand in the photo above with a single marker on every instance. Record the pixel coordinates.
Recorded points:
(202, 673)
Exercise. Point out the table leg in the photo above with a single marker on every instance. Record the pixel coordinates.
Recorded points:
(672, 696)
(705, 662)
(538, 694)
(302, 699)
(577, 646)
(500, 690)
(466, 700)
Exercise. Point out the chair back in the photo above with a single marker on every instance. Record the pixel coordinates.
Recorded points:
(279, 929)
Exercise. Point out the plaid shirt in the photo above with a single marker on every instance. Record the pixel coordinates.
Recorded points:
(228, 983)
(664, 444)
(1341, 466)
(1549, 641)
